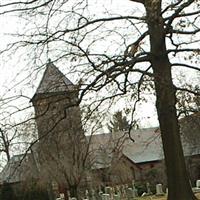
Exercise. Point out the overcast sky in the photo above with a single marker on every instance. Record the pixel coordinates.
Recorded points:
(14, 69)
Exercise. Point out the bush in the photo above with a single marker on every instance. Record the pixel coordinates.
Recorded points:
(7, 192)
(32, 191)
(35, 193)
(141, 188)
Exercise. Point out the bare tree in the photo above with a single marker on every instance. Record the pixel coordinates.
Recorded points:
(5, 145)
(115, 53)
(13, 137)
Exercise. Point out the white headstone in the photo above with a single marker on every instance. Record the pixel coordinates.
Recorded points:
(62, 196)
(167, 191)
(105, 197)
(144, 194)
(198, 183)
(116, 197)
(108, 190)
(159, 190)
(133, 183)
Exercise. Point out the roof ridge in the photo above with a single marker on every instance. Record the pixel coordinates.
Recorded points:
(53, 80)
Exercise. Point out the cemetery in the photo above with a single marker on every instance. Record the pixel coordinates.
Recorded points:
(127, 192)
(118, 118)
(108, 174)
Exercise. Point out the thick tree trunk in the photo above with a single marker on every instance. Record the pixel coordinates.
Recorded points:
(177, 175)
(74, 191)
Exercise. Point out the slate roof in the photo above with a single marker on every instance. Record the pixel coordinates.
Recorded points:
(147, 145)
(53, 81)
(20, 167)
(12, 172)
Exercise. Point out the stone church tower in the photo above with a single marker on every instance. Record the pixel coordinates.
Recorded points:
(61, 137)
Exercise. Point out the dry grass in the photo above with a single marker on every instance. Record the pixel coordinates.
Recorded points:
(161, 198)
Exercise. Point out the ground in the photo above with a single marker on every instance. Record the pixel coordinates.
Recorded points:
(161, 198)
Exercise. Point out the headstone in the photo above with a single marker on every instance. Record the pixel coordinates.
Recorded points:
(159, 190)
(117, 190)
(198, 183)
(112, 192)
(167, 191)
(123, 191)
(100, 195)
(108, 190)
(93, 194)
(86, 194)
(133, 183)
(197, 188)
(105, 197)
(130, 193)
(116, 197)
(144, 194)
(148, 189)
(54, 186)
(68, 194)
(135, 191)
(62, 196)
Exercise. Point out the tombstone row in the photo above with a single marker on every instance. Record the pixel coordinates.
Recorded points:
(122, 192)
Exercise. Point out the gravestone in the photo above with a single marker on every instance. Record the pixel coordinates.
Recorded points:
(130, 193)
(99, 196)
(144, 194)
(148, 189)
(167, 191)
(133, 183)
(93, 197)
(105, 197)
(123, 191)
(159, 190)
(68, 194)
(116, 197)
(86, 194)
(117, 190)
(62, 196)
(198, 183)
(135, 191)
(108, 190)
(197, 188)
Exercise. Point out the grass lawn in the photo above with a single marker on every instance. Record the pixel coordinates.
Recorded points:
(160, 198)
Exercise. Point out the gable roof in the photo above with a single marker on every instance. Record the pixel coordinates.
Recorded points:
(12, 172)
(147, 145)
(53, 81)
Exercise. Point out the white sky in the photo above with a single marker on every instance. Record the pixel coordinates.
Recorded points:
(12, 66)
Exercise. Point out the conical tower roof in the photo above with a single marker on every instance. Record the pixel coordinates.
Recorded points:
(54, 81)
